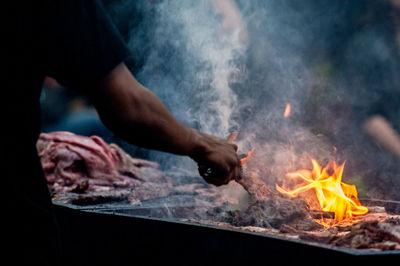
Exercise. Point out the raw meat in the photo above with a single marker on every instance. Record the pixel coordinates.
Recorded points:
(74, 163)
(87, 171)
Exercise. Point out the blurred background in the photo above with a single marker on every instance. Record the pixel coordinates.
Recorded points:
(225, 65)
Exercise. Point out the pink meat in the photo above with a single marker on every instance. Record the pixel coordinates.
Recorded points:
(72, 162)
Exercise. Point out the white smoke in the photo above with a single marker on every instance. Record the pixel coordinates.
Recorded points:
(215, 82)
(201, 68)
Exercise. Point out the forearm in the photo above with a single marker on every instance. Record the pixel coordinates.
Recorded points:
(135, 114)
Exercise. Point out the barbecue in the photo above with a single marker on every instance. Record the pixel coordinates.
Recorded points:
(137, 189)
(211, 132)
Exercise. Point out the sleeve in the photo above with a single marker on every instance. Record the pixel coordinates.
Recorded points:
(80, 43)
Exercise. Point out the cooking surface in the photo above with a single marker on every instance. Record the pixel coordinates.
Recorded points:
(112, 235)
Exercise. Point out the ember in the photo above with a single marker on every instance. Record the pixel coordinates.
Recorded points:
(287, 110)
(247, 156)
(332, 194)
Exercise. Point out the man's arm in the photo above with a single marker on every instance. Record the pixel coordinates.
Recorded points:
(383, 133)
(135, 114)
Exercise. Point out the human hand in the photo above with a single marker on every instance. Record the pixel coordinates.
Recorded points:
(219, 162)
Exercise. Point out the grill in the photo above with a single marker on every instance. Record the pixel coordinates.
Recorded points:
(121, 235)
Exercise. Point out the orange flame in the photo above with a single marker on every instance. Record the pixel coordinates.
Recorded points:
(333, 195)
(243, 160)
(287, 111)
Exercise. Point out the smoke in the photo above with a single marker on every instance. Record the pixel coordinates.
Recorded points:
(189, 64)
(188, 59)
(322, 57)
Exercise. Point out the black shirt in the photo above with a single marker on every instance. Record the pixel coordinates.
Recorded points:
(74, 42)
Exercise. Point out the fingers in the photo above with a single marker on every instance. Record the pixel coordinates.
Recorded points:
(235, 147)
(224, 175)
(234, 174)
(219, 181)
(223, 160)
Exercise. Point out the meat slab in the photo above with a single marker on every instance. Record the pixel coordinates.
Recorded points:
(74, 163)
(87, 171)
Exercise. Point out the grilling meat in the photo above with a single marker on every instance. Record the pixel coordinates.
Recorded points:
(267, 208)
(74, 163)
(370, 234)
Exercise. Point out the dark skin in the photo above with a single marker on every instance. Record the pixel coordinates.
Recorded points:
(137, 115)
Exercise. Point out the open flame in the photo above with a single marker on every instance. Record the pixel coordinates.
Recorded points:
(247, 156)
(332, 194)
